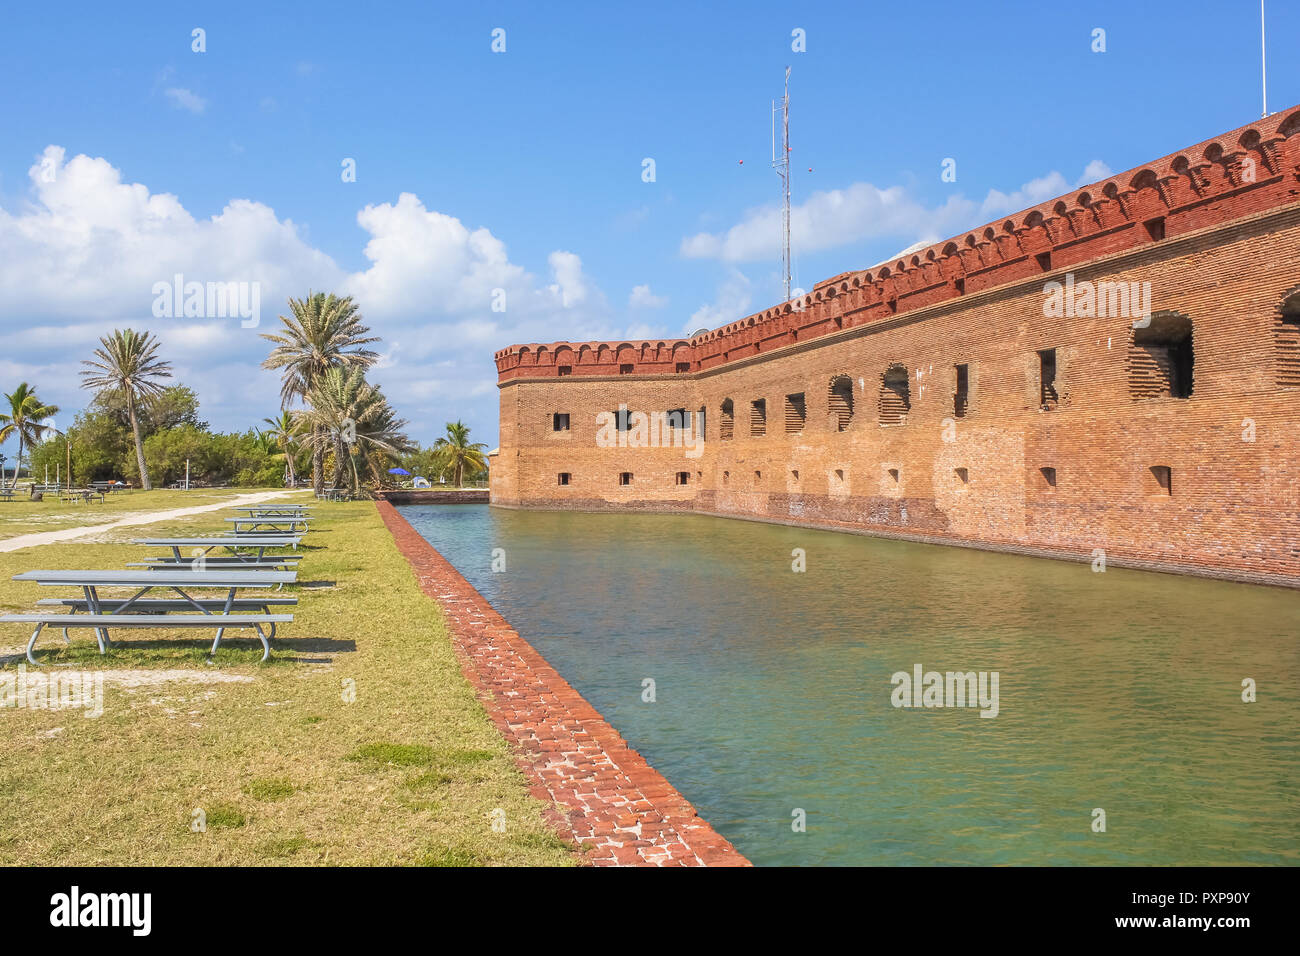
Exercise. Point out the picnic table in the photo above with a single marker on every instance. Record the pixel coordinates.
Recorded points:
(231, 542)
(104, 614)
(334, 494)
(6, 494)
(276, 511)
(286, 525)
(200, 552)
(81, 495)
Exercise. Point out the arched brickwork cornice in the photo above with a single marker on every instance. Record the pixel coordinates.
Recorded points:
(1242, 172)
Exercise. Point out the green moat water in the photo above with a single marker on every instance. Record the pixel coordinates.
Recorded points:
(1120, 690)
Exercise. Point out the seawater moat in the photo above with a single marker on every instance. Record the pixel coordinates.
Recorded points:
(1120, 691)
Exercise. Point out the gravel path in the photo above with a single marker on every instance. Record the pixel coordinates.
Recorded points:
(150, 517)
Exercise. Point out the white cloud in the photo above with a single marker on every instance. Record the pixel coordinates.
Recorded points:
(732, 302)
(643, 298)
(831, 218)
(82, 254)
(184, 99)
(570, 285)
(1039, 190)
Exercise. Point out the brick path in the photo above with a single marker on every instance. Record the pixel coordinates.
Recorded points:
(604, 794)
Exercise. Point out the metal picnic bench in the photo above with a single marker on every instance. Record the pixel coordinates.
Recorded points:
(276, 511)
(287, 525)
(231, 542)
(105, 613)
(6, 494)
(85, 495)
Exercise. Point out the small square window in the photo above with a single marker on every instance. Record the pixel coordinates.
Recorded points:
(1044, 261)
(625, 477)
(625, 370)
(560, 422)
(1155, 228)
(565, 370)
(963, 475)
(564, 477)
(683, 477)
(1162, 480)
(794, 474)
(893, 473)
(1049, 478)
(683, 366)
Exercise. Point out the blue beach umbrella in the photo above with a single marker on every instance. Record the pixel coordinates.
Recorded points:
(398, 471)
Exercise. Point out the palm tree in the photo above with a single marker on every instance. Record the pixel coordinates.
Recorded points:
(284, 433)
(128, 363)
(347, 414)
(324, 332)
(455, 452)
(24, 419)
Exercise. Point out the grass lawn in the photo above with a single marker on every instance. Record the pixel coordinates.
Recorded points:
(24, 516)
(284, 768)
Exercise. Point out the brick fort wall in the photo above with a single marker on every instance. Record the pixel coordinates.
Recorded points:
(975, 393)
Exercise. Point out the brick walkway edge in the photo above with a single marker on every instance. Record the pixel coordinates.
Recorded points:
(604, 795)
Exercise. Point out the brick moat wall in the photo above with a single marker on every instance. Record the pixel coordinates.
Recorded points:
(985, 417)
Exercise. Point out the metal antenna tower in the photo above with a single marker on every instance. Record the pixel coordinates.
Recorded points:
(1263, 61)
(781, 164)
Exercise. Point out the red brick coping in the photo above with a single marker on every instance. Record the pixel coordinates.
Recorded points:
(605, 796)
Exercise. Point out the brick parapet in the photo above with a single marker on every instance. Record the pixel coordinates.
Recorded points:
(1239, 173)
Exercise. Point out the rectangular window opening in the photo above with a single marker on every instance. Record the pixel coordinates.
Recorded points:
(564, 477)
(1161, 358)
(961, 398)
(795, 414)
(1047, 397)
(1049, 478)
(1162, 478)
(683, 477)
(560, 422)
(625, 477)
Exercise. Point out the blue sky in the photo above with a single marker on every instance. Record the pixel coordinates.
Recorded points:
(522, 170)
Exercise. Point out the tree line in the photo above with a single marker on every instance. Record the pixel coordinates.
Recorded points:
(333, 423)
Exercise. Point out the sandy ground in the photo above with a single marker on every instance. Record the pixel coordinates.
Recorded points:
(150, 517)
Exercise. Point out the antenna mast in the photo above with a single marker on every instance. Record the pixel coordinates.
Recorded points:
(1263, 62)
(782, 166)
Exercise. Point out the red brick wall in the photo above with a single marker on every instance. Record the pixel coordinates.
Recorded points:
(1229, 254)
